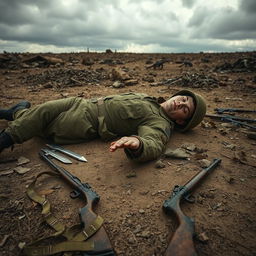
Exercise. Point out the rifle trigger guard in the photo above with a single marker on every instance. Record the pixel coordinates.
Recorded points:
(176, 189)
(74, 194)
(189, 198)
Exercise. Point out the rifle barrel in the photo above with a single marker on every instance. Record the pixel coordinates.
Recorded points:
(236, 118)
(200, 175)
(223, 110)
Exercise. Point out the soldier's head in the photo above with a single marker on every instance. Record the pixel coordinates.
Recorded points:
(186, 109)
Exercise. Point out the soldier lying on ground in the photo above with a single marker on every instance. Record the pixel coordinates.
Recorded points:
(142, 123)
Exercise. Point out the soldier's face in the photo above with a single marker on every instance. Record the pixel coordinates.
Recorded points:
(179, 108)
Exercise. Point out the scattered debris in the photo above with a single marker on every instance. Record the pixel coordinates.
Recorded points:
(87, 62)
(61, 78)
(42, 61)
(241, 65)
(158, 64)
(192, 80)
(186, 64)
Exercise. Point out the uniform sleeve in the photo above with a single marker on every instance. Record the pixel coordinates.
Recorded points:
(153, 141)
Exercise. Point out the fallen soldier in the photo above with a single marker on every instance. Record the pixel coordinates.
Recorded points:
(142, 124)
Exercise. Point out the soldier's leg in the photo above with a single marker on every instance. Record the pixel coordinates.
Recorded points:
(8, 114)
(32, 122)
(5, 140)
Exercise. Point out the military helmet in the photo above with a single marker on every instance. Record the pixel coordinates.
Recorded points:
(199, 113)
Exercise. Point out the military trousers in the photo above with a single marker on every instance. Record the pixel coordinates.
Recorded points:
(63, 121)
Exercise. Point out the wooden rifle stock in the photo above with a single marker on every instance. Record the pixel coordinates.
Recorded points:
(181, 243)
(90, 221)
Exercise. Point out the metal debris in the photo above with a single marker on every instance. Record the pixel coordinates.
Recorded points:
(192, 80)
(63, 77)
(241, 65)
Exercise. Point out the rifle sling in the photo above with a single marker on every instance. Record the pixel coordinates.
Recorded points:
(75, 239)
(67, 246)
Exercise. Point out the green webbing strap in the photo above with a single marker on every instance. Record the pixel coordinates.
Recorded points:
(89, 231)
(85, 233)
(46, 207)
(76, 239)
(67, 246)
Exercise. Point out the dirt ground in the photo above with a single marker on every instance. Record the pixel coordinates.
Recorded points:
(132, 194)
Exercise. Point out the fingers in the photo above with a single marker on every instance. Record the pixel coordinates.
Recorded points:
(125, 142)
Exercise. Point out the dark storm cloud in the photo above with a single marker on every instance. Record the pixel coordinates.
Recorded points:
(188, 3)
(248, 6)
(226, 23)
(154, 25)
(50, 23)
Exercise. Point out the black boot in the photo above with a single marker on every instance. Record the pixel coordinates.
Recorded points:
(5, 140)
(7, 114)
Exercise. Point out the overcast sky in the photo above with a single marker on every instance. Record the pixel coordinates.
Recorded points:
(142, 26)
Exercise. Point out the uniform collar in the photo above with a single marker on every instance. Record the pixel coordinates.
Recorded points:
(164, 115)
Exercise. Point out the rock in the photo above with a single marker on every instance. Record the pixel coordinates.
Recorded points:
(137, 229)
(6, 172)
(190, 147)
(130, 82)
(145, 234)
(21, 170)
(118, 84)
(160, 164)
(204, 163)
(177, 153)
(87, 62)
(22, 160)
(141, 211)
(202, 237)
(21, 245)
(131, 174)
(132, 240)
(119, 75)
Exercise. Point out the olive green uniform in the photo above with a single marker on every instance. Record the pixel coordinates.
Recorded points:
(75, 120)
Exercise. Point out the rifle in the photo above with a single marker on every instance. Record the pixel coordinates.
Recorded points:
(223, 110)
(181, 243)
(237, 120)
(99, 238)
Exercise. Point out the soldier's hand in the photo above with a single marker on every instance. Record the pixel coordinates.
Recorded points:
(125, 142)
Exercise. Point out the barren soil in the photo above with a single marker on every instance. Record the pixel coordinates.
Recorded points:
(132, 194)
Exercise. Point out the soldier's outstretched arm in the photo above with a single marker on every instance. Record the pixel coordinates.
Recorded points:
(131, 142)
